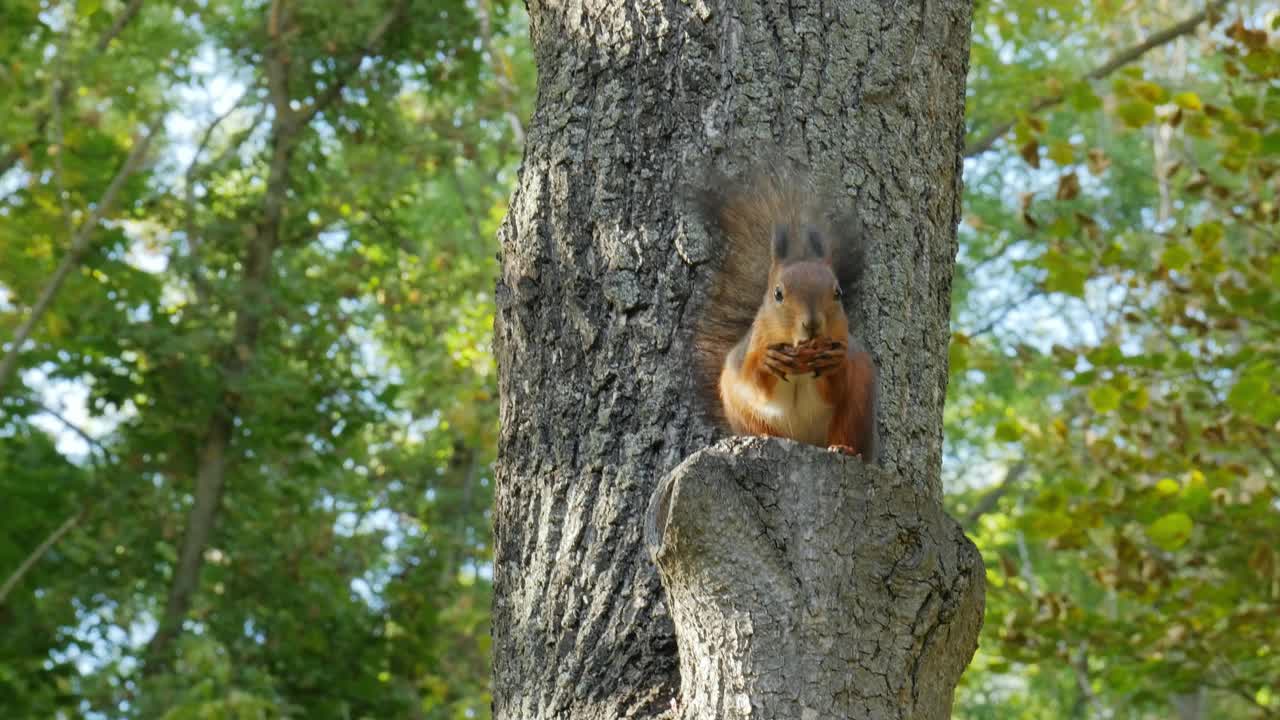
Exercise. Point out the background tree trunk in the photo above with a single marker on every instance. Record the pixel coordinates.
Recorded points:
(602, 273)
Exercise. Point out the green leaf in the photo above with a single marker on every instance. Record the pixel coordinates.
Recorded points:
(957, 358)
(1050, 524)
(1104, 399)
(1062, 153)
(1007, 430)
(1136, 113)
(1064, 275)
(1249, 392)
(1270, 143)
(1081, 97)
(1246, 104)
(1175, 257)
(1198, 126)
(1171, 531)
(1149, 91)
(1207, 235)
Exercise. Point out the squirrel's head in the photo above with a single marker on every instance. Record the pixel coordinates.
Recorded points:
(804, 298)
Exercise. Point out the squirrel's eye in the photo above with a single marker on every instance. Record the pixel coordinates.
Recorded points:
(839, 294)
(777, 293)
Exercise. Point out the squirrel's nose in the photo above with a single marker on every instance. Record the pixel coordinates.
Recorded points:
(810, 326)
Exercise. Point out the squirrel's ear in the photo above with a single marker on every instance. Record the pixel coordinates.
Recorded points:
(779, 244)
(818, 245)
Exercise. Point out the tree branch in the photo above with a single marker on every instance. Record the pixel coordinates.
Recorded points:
(42, 120)
(236, 358)
(504, 82)
(130, 11)
(203, 292)
(92, 441)
(1117, 61)
(16, 576)
(59, 171)
(79, 244)
(1080, 667)
(371, 44)
(1004, 312)
(991, 498)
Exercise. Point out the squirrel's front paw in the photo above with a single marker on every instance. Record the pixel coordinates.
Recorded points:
(820, 355)
(782, 360)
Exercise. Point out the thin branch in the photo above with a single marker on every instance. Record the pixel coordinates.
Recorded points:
(198, 280)
(1117, 61)
(277, 66)
(1004, 312)
(371, 44)
(1080, 665)
(60, 137)
(991, 498)
(79, 244)
(42, 120)
(123, 19)
(14, 578)
(463, 201)
(92, 441)
(993, 256)
(504, 82)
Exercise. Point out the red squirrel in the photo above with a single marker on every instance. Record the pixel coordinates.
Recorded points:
(774, 338)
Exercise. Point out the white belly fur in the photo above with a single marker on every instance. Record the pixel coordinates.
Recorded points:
(804, 413)
(798, 411)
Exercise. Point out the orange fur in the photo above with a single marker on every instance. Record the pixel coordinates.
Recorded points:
(837, 408)
(852, 394)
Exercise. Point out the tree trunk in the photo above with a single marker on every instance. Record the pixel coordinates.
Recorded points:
(603, 271)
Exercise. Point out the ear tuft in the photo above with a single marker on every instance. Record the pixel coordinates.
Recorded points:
(817, 245)
(780, 242)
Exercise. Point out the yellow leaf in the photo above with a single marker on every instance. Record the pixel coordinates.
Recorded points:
(1149, 91)
(1062, 153)
(1188, 101)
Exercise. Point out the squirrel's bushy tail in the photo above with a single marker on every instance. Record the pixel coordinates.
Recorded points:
(741, 214)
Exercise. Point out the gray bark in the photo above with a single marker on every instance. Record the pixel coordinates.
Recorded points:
(808, 585)
(603, 270)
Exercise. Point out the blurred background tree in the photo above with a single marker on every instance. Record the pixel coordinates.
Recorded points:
(247, 413)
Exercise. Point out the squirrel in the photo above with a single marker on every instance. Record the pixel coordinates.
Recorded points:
(776, 355)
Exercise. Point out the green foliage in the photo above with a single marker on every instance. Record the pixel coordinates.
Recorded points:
(1131, 560)
(348, 572)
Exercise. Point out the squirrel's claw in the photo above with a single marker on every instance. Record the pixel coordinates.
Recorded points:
(783, 363)
(781, 373)
(845, 450)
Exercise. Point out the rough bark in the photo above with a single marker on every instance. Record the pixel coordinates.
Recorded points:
(807, 585)
(603, 271)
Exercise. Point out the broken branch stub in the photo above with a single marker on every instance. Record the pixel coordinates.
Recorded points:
(804, 584)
